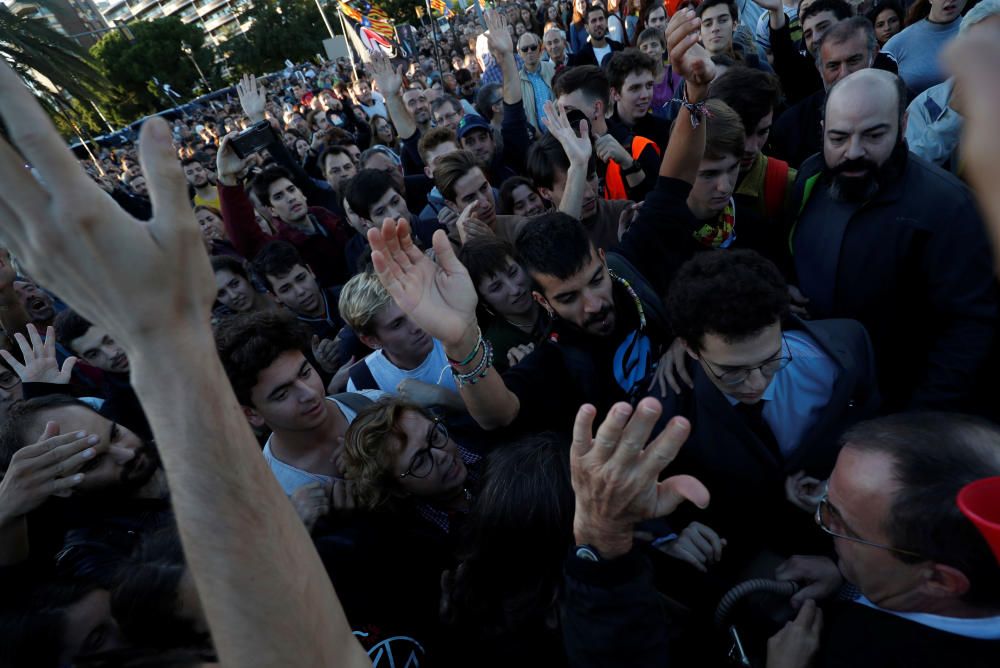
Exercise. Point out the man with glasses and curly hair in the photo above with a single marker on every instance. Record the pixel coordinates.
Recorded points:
(770, 393)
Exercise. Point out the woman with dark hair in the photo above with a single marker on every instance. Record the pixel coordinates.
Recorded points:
(513, 321)
(383, 133)
(519, 197)
(930, 26)
(887, 17)
(236, 291)
(154, 598)
(504, 596)
(578, 36)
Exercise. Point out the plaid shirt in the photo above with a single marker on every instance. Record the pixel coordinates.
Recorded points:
(442, 518)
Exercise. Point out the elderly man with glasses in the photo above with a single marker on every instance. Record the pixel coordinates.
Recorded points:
(536, 78)
(923, 587)
(767, 394)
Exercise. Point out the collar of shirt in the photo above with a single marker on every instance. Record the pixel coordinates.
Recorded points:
(981, 628)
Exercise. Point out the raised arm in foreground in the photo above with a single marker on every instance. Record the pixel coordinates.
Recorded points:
(266, 595)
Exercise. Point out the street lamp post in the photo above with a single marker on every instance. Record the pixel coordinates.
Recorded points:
(189, 52)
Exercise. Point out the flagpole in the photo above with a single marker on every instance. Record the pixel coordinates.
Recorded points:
(326, 21)
(350, 52)
(437, 52)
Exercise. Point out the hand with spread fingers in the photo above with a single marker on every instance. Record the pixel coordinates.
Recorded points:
(439, 297)
(116, 261)
(253, 98)
(40, 364)
(615, 474)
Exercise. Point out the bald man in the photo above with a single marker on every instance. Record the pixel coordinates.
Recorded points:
(889, 239)
(536, 78)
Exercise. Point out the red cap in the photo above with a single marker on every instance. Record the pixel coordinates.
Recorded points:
(980, 502)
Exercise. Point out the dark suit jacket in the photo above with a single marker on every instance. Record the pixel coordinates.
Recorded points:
(745, 479)
(586, 55)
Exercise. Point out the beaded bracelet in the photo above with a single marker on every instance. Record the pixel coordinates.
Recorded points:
(475, 350)
(697, 110)
(472, 377)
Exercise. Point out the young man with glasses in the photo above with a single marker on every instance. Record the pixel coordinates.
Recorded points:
(771, 394)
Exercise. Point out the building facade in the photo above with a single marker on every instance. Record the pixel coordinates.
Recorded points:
(80, 19)
(217, 18)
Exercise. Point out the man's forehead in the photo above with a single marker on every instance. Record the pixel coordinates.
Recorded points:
(553, 286)
(290, 276)
(862, 484)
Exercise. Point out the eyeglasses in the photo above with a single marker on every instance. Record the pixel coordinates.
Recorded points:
(739, 376)
(829, 521)
(531, 48)
(423, 462)
(8, 380)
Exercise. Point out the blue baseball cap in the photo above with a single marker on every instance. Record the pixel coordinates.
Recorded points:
(472, 122)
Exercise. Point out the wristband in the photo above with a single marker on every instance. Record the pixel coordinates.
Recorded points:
(697, 110)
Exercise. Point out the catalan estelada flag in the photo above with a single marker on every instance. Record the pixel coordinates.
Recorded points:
(369, 16)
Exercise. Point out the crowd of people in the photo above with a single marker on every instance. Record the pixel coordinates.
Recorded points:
(526, 349)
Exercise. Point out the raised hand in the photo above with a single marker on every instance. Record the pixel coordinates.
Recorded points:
(109, 263)
(615, 474)
(228, 165)
(40, 364)
(498, 37)
(687, 56)
(49, 466)
(575, 141)
(388, 80)
(440, 298)
(253, 98)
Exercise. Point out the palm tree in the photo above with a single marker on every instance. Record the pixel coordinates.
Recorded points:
(51, 64)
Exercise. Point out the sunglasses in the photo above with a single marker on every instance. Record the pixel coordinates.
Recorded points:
(528, 49)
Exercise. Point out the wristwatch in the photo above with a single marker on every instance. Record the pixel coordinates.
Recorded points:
(636, 167)
(586, 553)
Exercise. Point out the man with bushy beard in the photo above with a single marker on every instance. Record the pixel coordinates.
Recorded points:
(78, 488)
(891, 240)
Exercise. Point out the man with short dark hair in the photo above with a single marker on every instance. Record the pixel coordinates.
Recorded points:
(771, 395)
(205, 192)
(764, 182)
(890, 240)
(600, 46)
(475, 135)
(266, 357)
(337, 166)
(319, 235)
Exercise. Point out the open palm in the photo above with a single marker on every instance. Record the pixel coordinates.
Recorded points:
(439, 297)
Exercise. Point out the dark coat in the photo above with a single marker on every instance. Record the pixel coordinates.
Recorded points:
(586, 55)
(745, 478)
(913, 265)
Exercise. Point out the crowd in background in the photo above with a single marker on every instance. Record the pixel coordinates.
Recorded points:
(363, 334)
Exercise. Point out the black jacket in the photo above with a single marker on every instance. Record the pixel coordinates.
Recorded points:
(913, 265)
(586, 55)
(797, 134)
(745, 478)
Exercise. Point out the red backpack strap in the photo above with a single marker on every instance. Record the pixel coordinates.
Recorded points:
(775, 186)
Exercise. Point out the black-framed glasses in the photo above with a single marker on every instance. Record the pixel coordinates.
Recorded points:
(769, 368)
(423, 462)
(8, 380)
(829, 521)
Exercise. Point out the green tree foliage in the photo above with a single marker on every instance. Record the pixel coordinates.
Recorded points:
(295, 33)
(156, 52)
(61, 73)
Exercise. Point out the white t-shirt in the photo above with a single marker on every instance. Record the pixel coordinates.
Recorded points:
(291, 478)
(434, 370)
(377, 107)
(599, 54)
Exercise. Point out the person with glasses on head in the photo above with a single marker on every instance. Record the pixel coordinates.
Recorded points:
(769, 395)
(926, 586)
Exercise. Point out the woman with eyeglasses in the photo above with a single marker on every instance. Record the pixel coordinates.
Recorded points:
(402, 460)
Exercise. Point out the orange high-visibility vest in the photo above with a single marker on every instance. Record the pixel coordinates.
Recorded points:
(614, 184)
